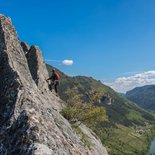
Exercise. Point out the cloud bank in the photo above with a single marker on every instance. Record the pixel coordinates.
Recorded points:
(124, 84)
(67, 62)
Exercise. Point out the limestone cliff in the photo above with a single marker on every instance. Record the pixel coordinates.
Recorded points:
(30, 122)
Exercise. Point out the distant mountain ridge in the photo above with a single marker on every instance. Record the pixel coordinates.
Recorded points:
(143, 96)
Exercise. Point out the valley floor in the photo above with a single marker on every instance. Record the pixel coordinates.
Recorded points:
(127, 140)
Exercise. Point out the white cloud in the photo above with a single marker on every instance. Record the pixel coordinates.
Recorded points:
(124, 84)
(64, 62)
(67, 62)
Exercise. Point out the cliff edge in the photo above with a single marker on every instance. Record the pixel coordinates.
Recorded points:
(30, 122)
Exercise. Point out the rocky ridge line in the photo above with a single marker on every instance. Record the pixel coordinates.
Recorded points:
(30, 122)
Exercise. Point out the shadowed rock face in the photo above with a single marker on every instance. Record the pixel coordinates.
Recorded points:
(13, 66)
(37, 67)
(30, 122)
(14, 76)
(25, 47)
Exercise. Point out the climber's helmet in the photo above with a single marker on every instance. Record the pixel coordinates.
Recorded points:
(53, 70)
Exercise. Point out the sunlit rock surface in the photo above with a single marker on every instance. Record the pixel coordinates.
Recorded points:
(30, 122)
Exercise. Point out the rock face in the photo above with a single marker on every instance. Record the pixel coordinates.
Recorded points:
(37, 67)
(30, 122)
(25, 47)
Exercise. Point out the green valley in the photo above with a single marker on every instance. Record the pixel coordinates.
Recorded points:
(123, 127)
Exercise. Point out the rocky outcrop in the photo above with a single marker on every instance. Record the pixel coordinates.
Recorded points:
(30, 122)
(37, 67)
(25, 47)
(94, 142)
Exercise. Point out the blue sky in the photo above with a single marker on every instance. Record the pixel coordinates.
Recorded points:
(106, 39)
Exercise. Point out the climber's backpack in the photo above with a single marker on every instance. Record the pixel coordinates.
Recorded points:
(57, 76)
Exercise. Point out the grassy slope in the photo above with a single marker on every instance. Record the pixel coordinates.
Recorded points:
(128, 130)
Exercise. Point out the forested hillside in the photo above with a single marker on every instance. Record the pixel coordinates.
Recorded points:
(124, 124)
(143, 96)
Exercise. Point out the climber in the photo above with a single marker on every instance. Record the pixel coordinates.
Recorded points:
(54, 81)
